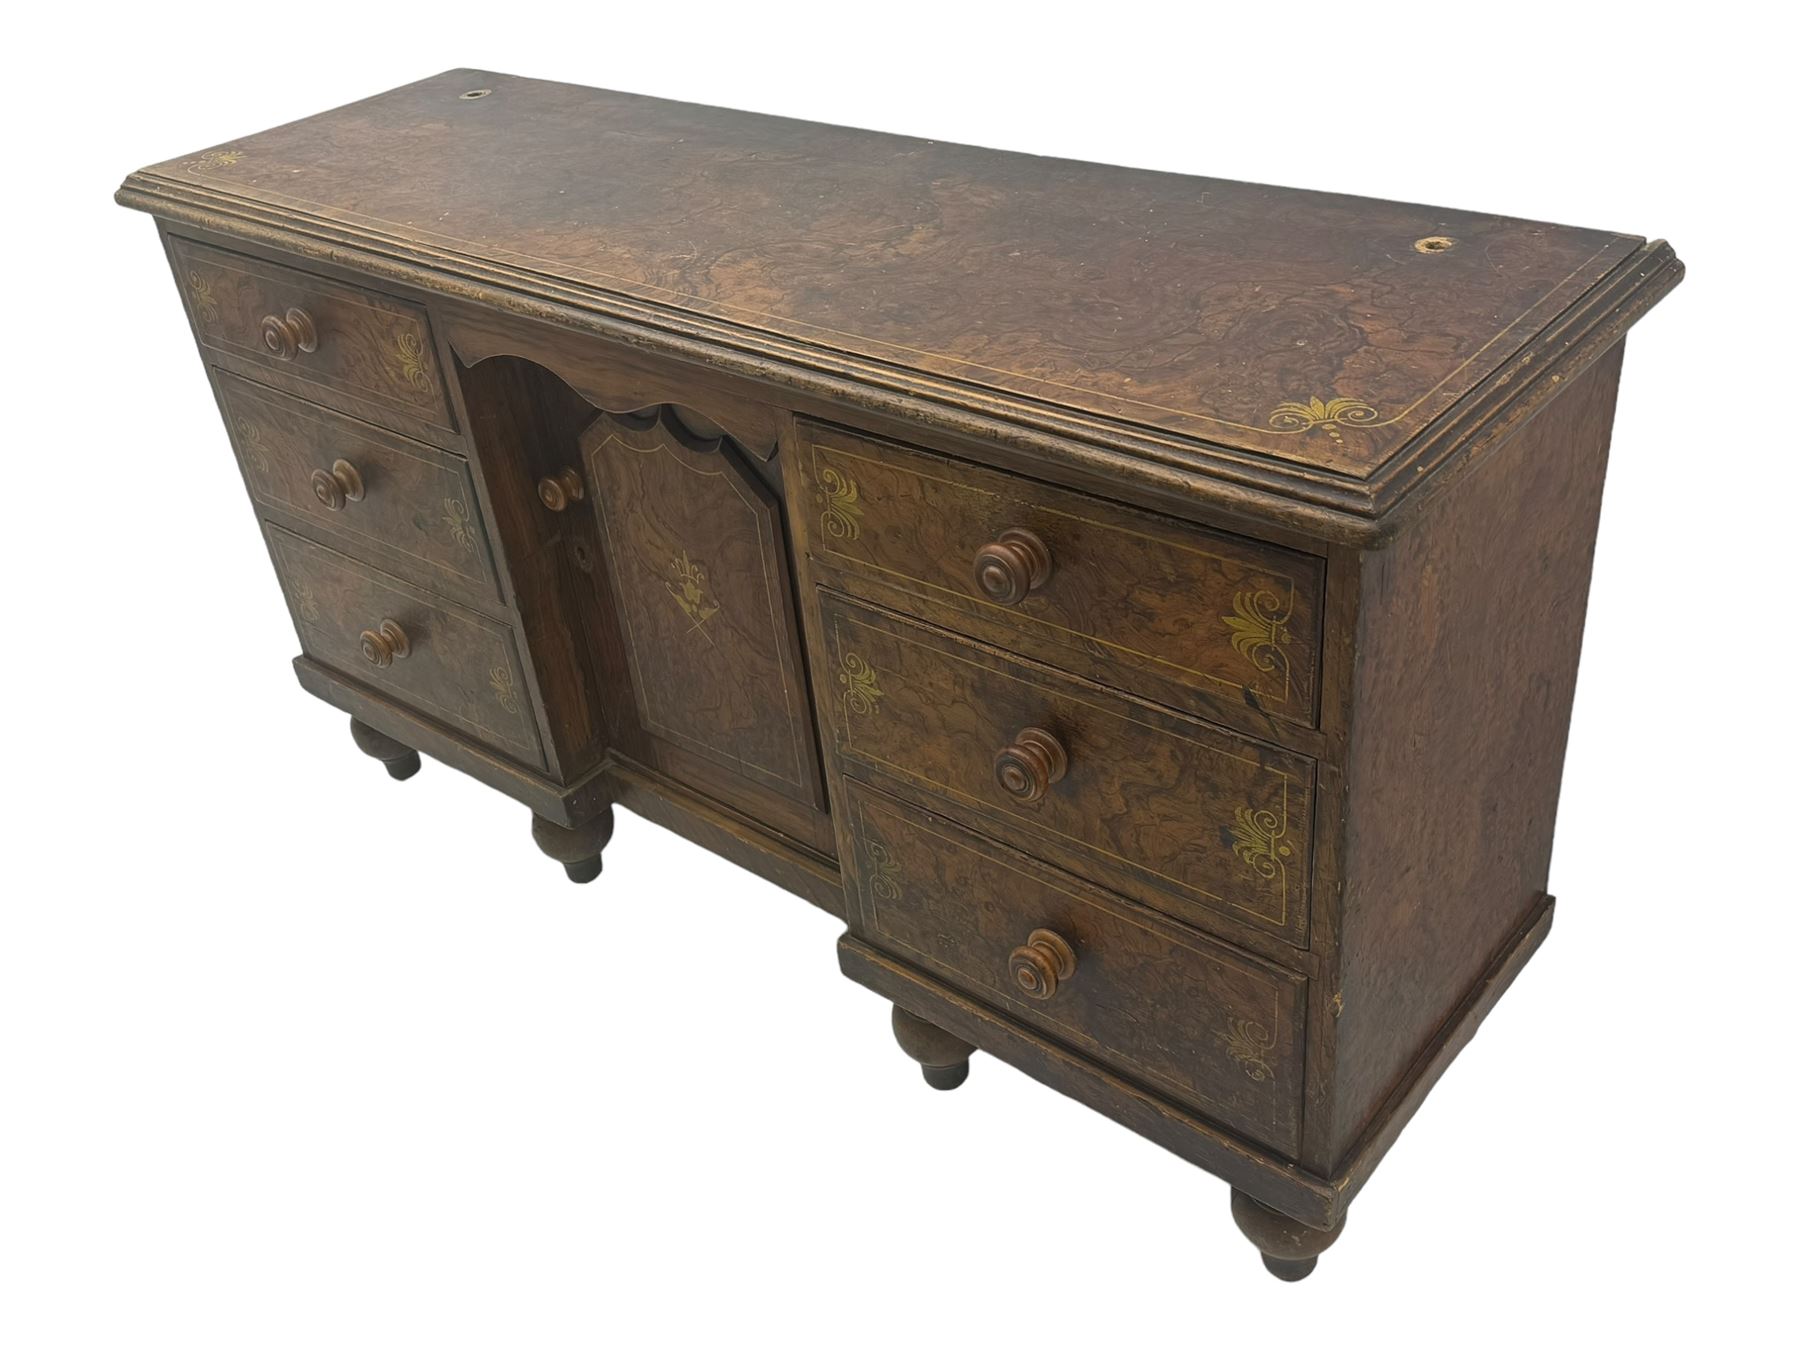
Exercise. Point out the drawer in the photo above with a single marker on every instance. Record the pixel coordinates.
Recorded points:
(448, 662)
(398, 502)
(1176, 813)
(339, 344)
(1202, 620)
(1211, 1027)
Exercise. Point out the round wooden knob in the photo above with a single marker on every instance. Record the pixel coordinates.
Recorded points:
(340, 484)
(1044, 962)
(380, 646)
(561, 488)
(1026, 768)
(285, 336)
(1012, 567)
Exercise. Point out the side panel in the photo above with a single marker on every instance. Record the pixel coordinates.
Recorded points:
(1467, 646)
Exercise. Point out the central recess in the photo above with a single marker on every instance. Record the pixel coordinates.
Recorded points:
(648, 538)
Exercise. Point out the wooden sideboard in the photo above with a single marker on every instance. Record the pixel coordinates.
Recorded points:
(1146, 608)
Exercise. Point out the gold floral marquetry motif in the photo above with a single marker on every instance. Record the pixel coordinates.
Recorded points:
(410, 348)
(884, 872)
(306, 602)
(1258, 626)
(1248, 1044)
(500, 679)
(689, 590)
(461, 527)
(862, 693)
(200, 287)
(215, 161)
(256, 454)
(1259, 840)
(1296, 417)
(840, 500)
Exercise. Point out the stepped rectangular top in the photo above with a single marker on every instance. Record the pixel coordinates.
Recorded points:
(1328, 348)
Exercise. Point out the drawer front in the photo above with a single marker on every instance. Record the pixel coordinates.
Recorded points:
(448, 662)
(399, 502)
(1194, 1020)
(344, 345)
(1176, 813)
(1204, 621)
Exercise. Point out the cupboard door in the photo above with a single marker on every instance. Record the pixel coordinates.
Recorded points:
(696, 552)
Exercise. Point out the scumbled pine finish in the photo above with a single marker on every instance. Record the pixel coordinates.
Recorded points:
(1113, 592)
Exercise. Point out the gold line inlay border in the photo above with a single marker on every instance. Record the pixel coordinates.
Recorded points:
(987, 807)
(765, 536)
(304, 507)
(1014, 613)
(1274, 1099)
(424, 402)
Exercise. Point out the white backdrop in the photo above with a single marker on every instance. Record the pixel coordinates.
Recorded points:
(295, 1056)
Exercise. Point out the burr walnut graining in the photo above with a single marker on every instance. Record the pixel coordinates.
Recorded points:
(1144, 608)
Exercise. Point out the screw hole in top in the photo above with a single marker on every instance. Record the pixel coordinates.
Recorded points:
(476, 93)
(1436, 243)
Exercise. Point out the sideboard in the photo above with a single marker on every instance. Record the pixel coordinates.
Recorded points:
(1146, 608)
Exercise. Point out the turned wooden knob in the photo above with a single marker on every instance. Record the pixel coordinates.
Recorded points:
(561, 488)
(1042, 963)
(340, 484)
(1026, 768)
(1012, 567)
(285, 336)
(380, 646)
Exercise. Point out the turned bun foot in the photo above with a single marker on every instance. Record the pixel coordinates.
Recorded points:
(943, 1058)
(1289, 1270)
(584, 871)
(577, 849)
(1289, 1248)
(951, 1076)
(402, 760)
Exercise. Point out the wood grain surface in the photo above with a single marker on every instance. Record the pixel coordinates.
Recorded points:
(1148, 607)
(418, 515)
(1311, 333)
(463, 668)
(368, 347)
(1465, 676)
(1187, 616)
(1179, 815)
(694, 547)
(1211, 1027)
